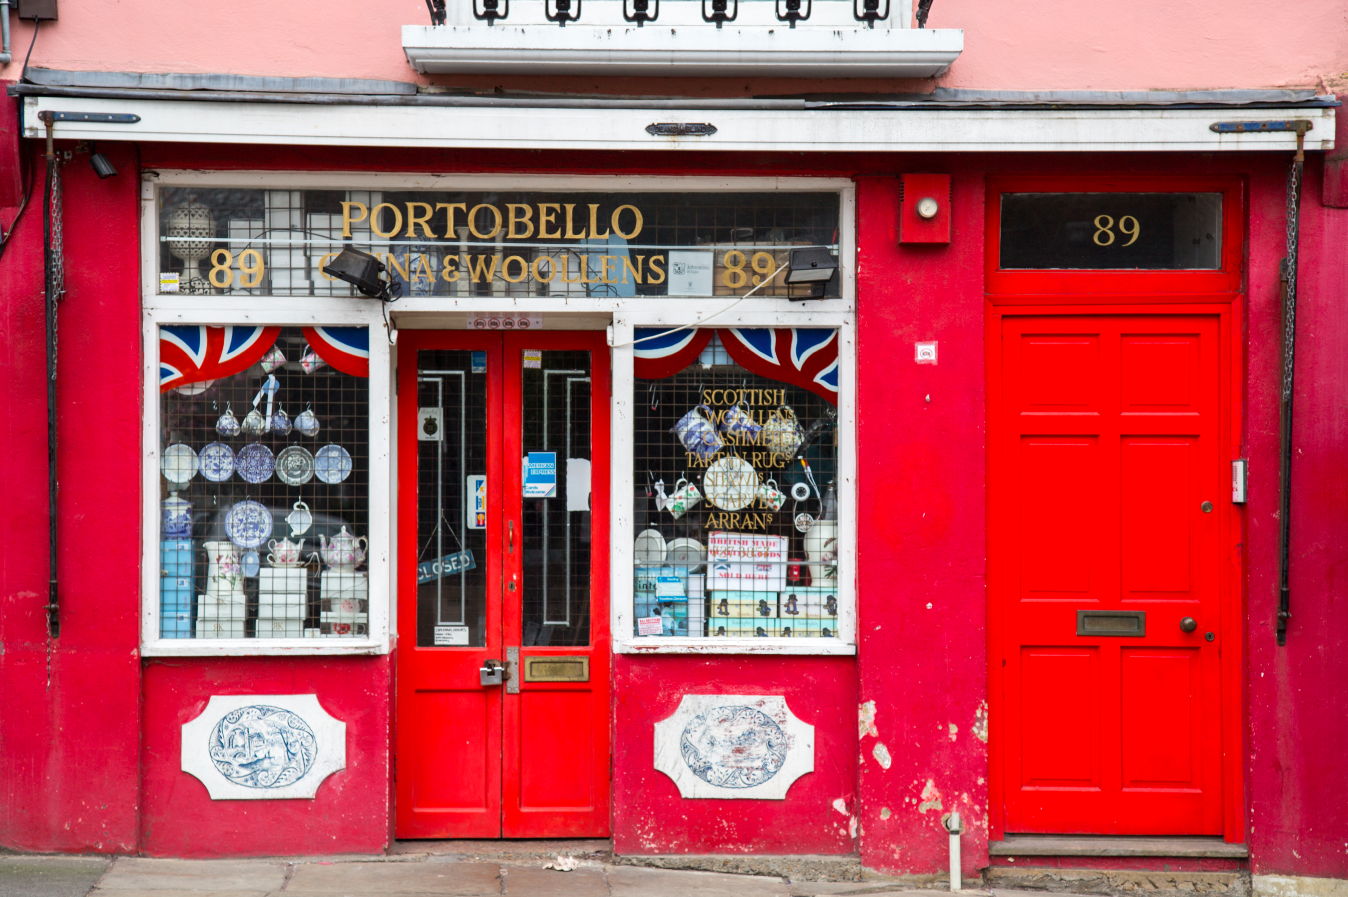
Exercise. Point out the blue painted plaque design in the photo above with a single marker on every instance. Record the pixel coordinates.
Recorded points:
(263, 747)
(733, 746)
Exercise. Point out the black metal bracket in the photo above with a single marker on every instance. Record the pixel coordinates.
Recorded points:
(680, 129)
(107, 118)
(722, 11)
(793, 13)
(437, 10)
(491, 10)
(643, 11)
(923, 10)
(868, 11)
(563, 12)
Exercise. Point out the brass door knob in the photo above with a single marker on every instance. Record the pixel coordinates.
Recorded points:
(1188, 624)
(1207, 507)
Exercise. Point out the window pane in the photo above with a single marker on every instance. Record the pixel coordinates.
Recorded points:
(462, 243)
(556, 586)
(1111, 231)
(735, 504)
(265, 482)
(451, 481)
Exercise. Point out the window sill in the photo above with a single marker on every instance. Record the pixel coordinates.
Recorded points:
(262, 647)
(829, 647)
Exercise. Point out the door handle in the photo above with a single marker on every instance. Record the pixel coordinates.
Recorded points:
(1188, 624)
(510, 528)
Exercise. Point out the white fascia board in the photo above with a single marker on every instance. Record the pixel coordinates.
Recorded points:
(607, 128)
(663, 52)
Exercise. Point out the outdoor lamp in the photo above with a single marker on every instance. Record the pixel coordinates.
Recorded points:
(102, 167)
(361, 270)
(814, 267)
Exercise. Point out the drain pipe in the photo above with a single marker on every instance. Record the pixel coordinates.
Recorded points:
(5, 56)
(952, 825)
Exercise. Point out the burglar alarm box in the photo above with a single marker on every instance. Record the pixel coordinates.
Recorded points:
(924, 213)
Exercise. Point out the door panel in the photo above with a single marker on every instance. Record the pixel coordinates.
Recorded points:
(490, 576)
(1106, 445)
(557, 733)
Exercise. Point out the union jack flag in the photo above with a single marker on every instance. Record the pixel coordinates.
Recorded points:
(346, 349)
(192, 354)
(663, 353)
(802, 356)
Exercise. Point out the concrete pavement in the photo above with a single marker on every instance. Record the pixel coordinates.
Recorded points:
(424, 875)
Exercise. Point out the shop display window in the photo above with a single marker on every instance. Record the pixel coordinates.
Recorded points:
(736, 483)
(264, 486)
(462, 243)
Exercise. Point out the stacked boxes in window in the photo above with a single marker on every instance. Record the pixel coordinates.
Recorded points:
(743, 614)
(346, 597)
(281, 599)
(675, 596)
(175, 588)
(813, 612)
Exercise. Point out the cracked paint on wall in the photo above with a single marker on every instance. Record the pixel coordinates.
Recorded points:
(931, 798)
(881, 755)
(954, 731)
(866, 721)
(981, 722)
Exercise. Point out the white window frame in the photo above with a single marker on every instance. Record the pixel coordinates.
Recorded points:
(449, 312)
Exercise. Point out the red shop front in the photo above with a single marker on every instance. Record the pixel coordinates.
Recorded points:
(717, 503)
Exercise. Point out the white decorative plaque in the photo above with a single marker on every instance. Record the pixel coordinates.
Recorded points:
(735, 747)
(263, 747)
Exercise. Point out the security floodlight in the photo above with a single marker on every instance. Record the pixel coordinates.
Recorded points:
(814, 267)
(361, 270)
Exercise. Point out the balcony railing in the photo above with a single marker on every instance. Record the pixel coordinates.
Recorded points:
(793, 38)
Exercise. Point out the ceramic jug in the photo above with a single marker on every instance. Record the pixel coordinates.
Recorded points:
(343, 551)
(224, 573)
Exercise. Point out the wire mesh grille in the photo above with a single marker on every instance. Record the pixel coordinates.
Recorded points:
(266, 501)
(256, 242)
(452, 425)
(735, 505)
(556, 530)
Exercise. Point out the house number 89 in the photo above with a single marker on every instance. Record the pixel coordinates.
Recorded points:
(250, 268)
(1104, 233)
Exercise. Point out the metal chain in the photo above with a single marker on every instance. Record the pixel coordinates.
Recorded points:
(58, 255)
(1290, 277)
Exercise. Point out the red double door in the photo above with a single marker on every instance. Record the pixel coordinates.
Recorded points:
(502, 716)
(1109, 491)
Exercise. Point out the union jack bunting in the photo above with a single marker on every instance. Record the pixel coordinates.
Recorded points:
(663, 353)
(802, 356)
(190, 354)
(346, 349)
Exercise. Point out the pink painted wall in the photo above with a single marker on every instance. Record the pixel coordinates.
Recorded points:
(1148, 44)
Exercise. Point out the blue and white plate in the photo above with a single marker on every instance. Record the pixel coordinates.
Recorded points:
(332, 464)
(217, 462)
(248, 524)
(255, 462)
(295, 466)
(179, 463)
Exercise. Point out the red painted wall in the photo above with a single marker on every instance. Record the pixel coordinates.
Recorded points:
(922, 551)
(350, 813)
(649, 816)
(69, 764)
(90, 763)
(1297, 715)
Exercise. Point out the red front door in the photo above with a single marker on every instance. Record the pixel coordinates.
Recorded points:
(503, 563)
(1107, 495)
